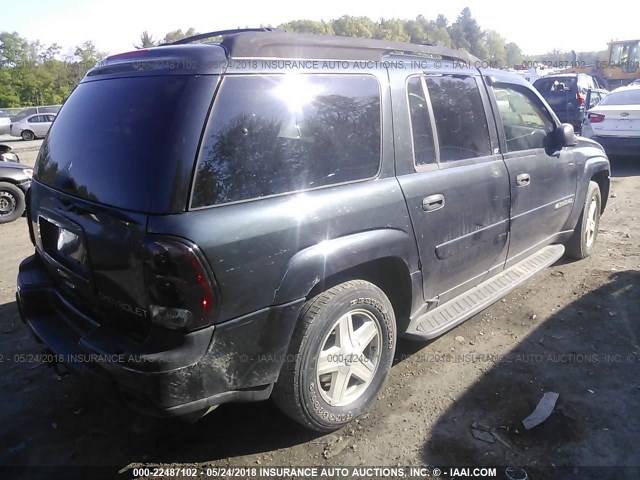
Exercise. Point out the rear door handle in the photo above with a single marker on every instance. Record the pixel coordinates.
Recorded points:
(523, 179)
(433, 202)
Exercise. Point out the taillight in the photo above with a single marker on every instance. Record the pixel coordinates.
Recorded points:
(181, 294)
(580, 99)
(595, 117)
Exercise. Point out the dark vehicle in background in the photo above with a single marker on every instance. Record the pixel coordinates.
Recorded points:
(567, 95)
(8, 155)
(15, 180)
(285, 216)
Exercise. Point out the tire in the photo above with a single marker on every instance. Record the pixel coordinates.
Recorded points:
(583, 240)
(315, 399)
(12, 202)
(27, 135)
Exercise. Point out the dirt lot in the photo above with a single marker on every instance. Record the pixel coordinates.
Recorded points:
(572, 330)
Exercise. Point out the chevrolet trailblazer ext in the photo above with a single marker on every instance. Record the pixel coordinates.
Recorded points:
(210, 229)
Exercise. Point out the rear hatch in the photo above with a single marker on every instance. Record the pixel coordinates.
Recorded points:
(618, 115)
(122, 148)
(560, 93)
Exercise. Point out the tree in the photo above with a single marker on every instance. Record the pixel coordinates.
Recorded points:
(495, 48)
(466, 31)
(176, 35)
(513, 55)
(392, 29)
(146, 41)
(458, 38)
(14, 49)
(308, 26)
(347, 26)
(438, 33)
(86, 56)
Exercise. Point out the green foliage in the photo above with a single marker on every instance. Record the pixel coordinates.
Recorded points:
(178, 35)
(146, 40)
(495, 46)
(309, 26)
(30, 73)
(466, 28)
(513, 54)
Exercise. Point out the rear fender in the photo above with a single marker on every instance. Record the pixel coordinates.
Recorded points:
(312, 265)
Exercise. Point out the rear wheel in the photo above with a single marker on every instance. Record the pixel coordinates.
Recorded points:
(340, 354)
(27, 135)
(583, 240)
(11, 202)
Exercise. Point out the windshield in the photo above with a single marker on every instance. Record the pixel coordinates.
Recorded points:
(115, 140)
(625, 97)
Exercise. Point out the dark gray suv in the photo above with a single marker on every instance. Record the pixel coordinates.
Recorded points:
(265, 216)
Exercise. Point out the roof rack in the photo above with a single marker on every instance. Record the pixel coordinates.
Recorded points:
(221, 33)
(278, 43)
(281, 44)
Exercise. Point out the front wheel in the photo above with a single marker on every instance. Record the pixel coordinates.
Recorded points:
(11, 202)
(583, 240)
(341, 352)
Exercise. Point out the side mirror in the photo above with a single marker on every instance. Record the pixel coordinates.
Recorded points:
(565, 136)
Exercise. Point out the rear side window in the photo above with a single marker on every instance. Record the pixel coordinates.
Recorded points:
(423, 149)
(461, 122)
(555, 85)
(273, 134)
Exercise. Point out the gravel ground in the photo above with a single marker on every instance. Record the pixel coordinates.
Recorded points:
(572, 330)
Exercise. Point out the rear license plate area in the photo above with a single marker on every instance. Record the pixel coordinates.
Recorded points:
(64, 245)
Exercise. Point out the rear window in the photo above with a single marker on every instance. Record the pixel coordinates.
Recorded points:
(274, 134)
(555, 85)
(626, 97)
(116, 139)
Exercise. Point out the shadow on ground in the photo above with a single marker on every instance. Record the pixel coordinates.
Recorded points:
(625, 166)
(589, 353)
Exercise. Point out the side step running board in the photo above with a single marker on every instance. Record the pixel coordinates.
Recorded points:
(446, 316)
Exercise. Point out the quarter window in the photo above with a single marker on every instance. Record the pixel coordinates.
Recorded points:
(461, 122)
(273, 134)
(526, 121)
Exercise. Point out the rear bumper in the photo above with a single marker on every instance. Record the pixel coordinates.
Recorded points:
(169, 373)
(628, 146)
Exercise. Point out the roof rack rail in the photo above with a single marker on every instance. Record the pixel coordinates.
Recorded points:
(221, 33)
(281, 44)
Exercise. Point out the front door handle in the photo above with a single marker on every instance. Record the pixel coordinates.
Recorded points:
(523, 179)
(433, 202)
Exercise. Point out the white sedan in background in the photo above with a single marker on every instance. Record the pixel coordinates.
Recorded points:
(32, 126)
(615, 122)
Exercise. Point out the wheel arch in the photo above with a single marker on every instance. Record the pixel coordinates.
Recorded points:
(382, 257)
(596, 169)
(603, 180)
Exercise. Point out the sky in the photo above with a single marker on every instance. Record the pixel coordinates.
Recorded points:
(115, 25)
